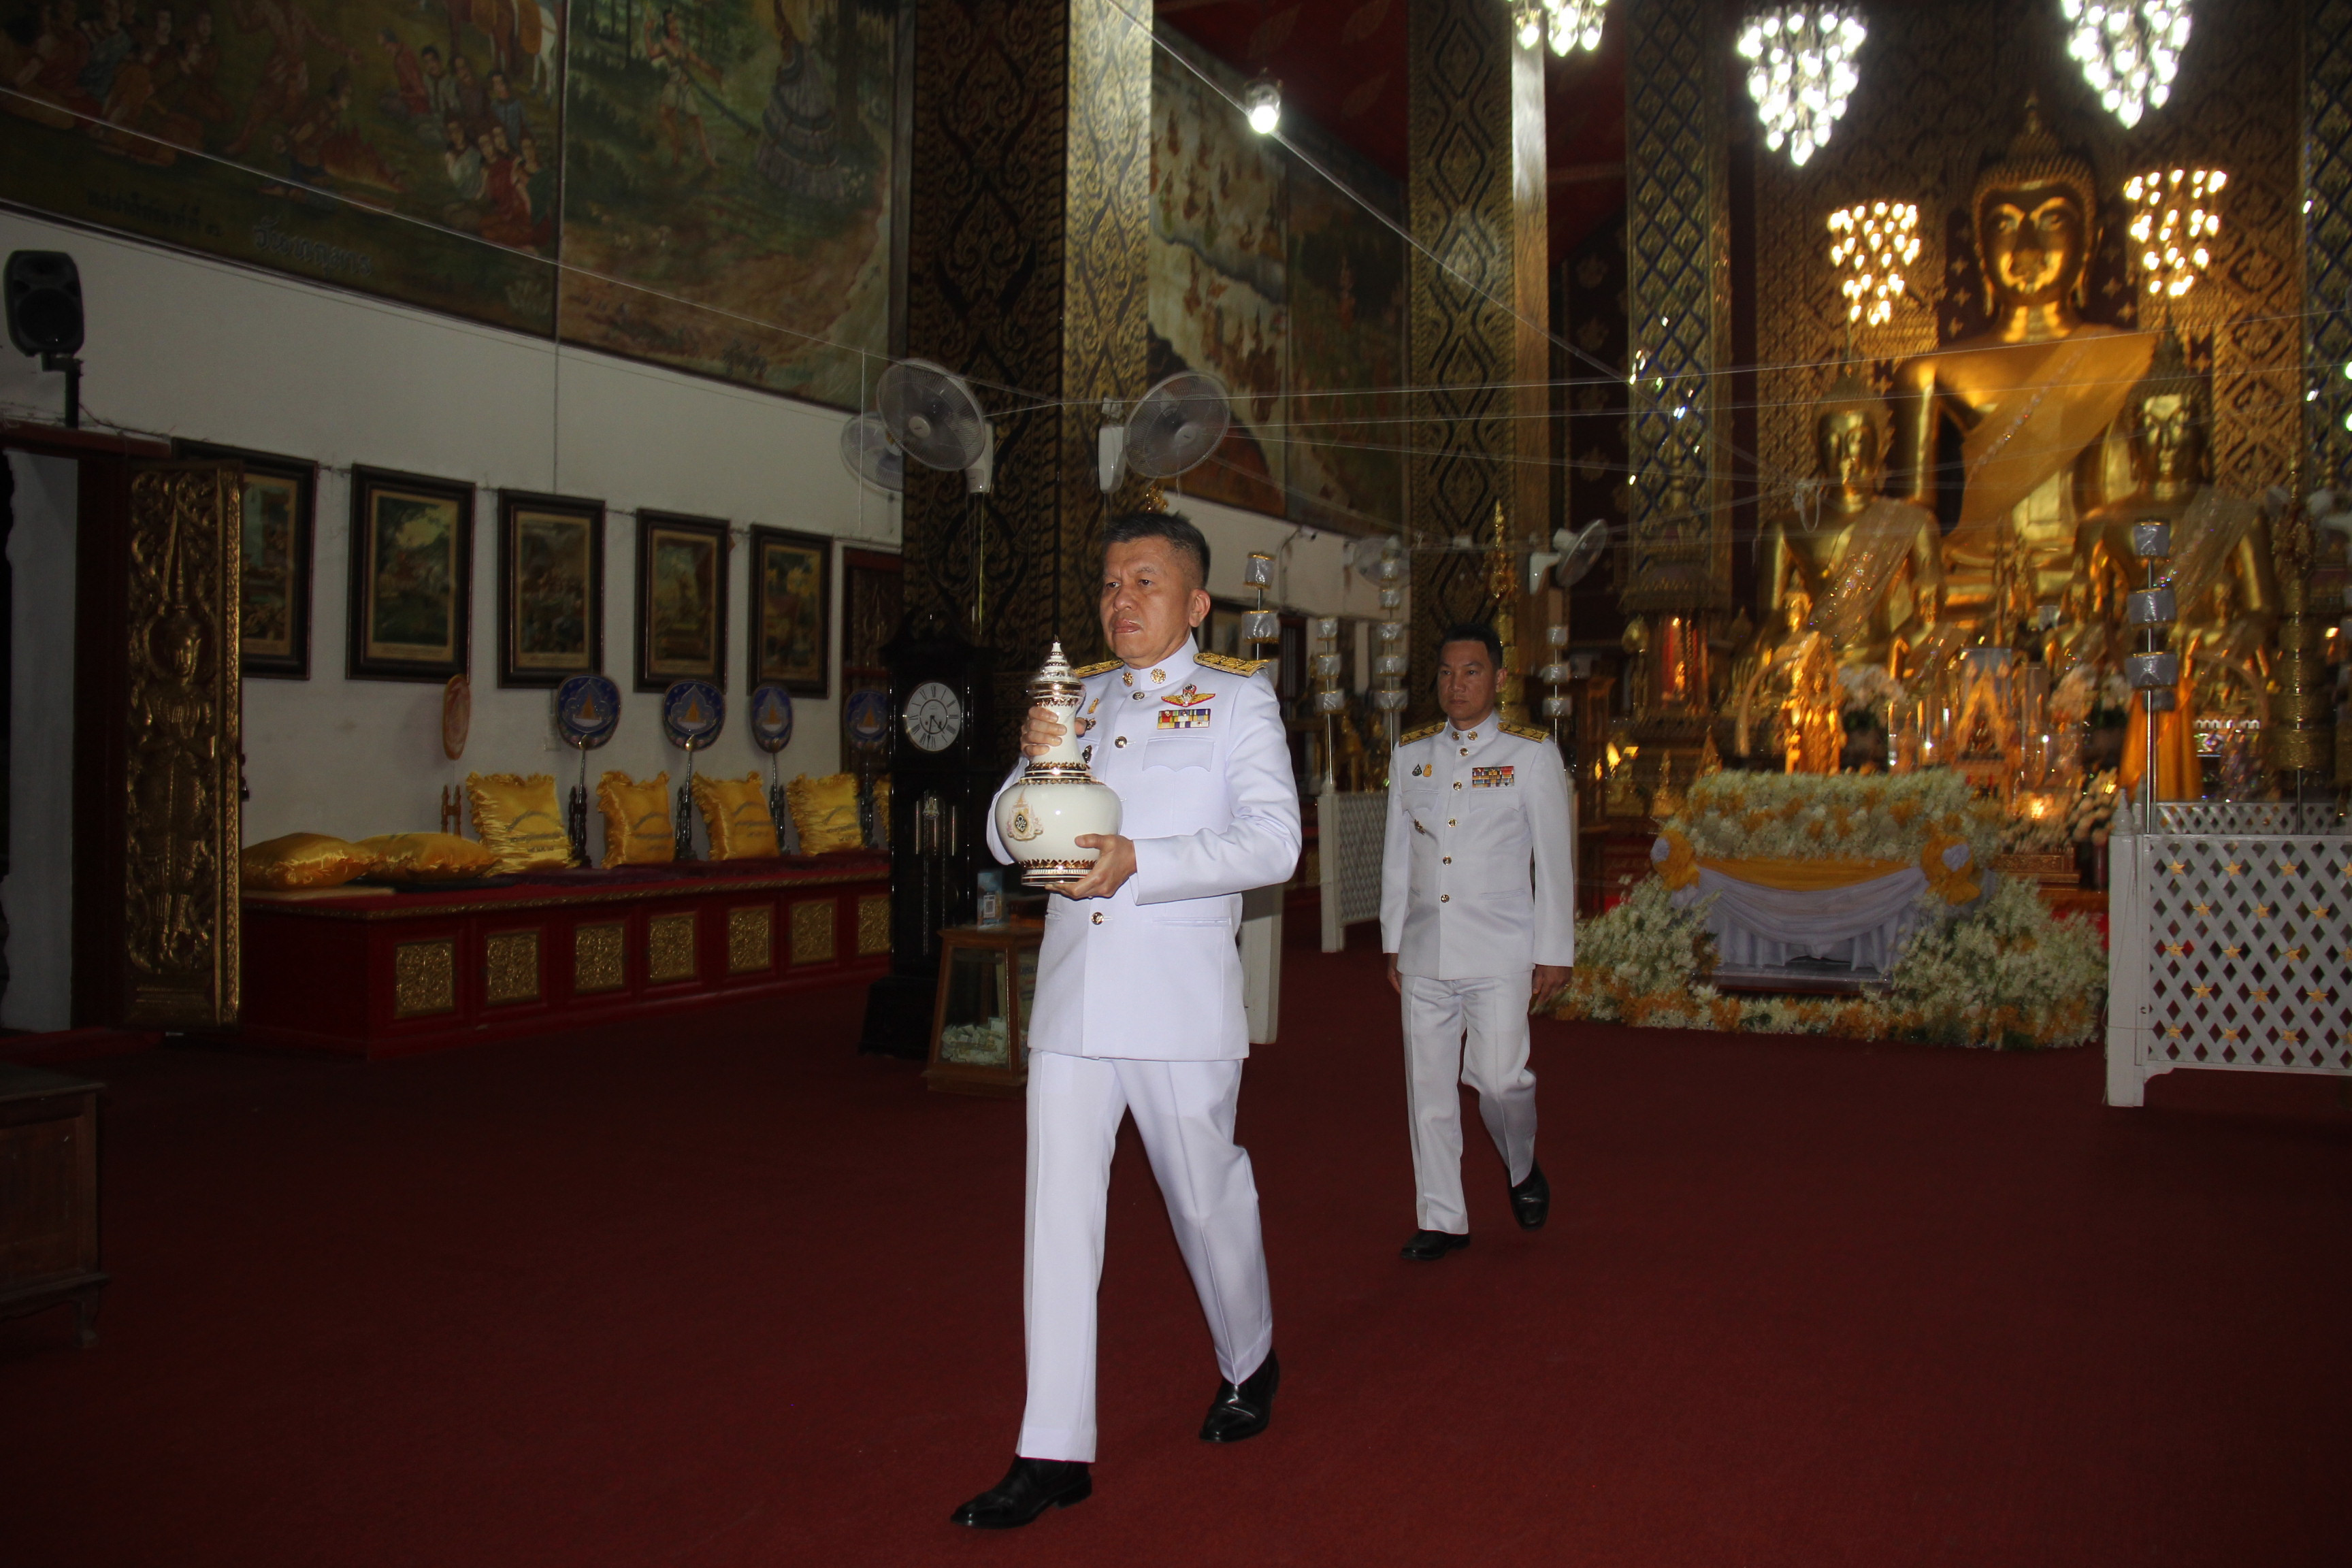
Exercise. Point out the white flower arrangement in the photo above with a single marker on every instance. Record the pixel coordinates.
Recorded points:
(1846, 816)
(1867, 690)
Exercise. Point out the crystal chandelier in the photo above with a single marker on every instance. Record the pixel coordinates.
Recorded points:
(1800, 71)
(1572, 24)
(2174, 212)
(1870, 244)
(2129, 50)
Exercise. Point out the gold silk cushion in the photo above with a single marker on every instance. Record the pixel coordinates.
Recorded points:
(825, 812)
(302, 860)
(407, 857)
(637, 830)
(521, 820)
(736, 813)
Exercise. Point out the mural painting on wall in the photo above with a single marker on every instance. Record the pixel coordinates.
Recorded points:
(728, 195)
(404, 149)
(1279, 281)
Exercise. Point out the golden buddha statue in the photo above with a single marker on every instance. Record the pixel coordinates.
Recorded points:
(2033, 397)
(1790, 688)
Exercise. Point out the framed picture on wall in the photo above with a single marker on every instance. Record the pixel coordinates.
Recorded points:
(791, 610)
(550, 588)
(412, 576)
(681, 601)
(274, 614)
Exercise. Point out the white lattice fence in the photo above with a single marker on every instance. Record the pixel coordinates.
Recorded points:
(1348, 826)
(2230, 944)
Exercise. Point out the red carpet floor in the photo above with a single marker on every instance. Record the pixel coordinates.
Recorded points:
(725, 1293)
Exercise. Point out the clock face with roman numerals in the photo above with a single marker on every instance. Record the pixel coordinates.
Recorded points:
(934, 716)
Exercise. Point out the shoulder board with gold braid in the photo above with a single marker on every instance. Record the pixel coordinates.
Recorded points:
(1526, 731)
(1093, 669)
(1231, 665)
(1424, 733)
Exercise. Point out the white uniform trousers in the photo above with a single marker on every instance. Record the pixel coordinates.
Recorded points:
(1493, 1012)
(1185, 1113)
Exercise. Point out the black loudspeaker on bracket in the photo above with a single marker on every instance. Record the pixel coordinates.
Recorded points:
(43, 295)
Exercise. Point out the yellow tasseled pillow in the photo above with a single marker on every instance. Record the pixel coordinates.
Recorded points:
(521, 820)
(637, 829)
(736, 813)
(825, 812)
(427, 857)
(302, 860)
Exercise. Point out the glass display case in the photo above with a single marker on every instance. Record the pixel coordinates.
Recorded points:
(980, 1024)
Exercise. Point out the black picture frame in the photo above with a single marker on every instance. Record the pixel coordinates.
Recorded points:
(278, 601)
(676, 642)
(529, 523)
(783, 628)
(401, 587)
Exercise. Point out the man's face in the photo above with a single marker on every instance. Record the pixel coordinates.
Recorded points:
(1151, 599)
(464, 70)
(2034, 243)
(432, 63)
(1467, 679)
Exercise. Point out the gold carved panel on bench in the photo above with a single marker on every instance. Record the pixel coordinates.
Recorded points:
(812, 932)
(510, 967)
(424, 978)
(599, 958)
(669, 947)
(750, 939)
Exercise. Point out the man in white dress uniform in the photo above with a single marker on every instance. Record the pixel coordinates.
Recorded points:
(1139, 1002)
(1479, 920)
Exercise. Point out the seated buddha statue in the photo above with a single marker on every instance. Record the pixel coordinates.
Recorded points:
(2033, 397)
(1863, 560)
(1787, 687)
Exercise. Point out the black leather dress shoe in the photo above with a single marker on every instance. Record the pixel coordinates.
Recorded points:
(1239, 1413)
(1028, 1489)
(1429, 1245)
(1531, 1199)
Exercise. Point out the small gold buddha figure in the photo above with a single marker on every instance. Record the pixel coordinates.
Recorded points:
(1787, 689)
(1863, 560)
(2031, 396)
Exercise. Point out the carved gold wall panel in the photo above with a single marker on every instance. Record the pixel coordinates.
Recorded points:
(1677, 255)
(750, 939)
(424, 978)
(180, 927)
(812, 932)
(1027, 222)
(1480, 308)
(669, 947)
(873, 925)
(2327, 239)
(599, 957)
(510, 967)
(1943, 89)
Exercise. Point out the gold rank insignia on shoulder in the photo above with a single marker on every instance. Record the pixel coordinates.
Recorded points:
(1526, 732)
(1229, 664)
(1424, 733)
(1104, 667)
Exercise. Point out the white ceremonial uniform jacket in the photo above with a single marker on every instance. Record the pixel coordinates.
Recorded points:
(1469, 814)
(1195, 749)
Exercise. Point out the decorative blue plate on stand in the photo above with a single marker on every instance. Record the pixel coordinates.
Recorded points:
(772, 718)
(693, 712)
(867, 721)
(587, 710)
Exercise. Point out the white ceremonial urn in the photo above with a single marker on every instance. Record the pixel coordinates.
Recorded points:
(1056, 801)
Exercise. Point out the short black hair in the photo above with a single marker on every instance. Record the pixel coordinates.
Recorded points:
(1477, 631)
(1173, 527)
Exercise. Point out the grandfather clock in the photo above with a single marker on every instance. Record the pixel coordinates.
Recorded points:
(944, 771)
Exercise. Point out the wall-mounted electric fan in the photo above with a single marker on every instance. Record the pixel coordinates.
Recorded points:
(932, 414)
(867, 451)
(1174, 427)
(1580, 549)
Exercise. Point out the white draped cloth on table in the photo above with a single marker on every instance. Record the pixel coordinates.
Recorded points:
(1862, 923)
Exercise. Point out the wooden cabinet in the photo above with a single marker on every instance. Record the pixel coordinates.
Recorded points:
(49, 1196)
(980, 1019)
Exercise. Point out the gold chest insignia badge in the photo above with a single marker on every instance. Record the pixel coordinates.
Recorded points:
(1186, 710)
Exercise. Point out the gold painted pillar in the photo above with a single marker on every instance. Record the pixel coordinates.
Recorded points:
(1481, 304)
(2328, 237)
(1028, 212)
(1677, 567)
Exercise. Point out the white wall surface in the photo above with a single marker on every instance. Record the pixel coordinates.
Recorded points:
(184, 346)
(38, 892)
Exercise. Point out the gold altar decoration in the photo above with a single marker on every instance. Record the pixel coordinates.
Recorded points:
(812, 932)
(825, 812)
(2175, 215)
(426, 858)
(735, 813)
(302, 860)
(750, 939)
(1819, 873)
(599, 957)
(637, 827)
(2303, 721)
(520, 821)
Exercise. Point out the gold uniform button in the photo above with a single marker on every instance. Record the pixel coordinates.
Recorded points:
(1120, 743)
(1450, 823)
(1457, 783)
(1465, 751)
(1442, 897)
(1159, 675)
(1097, 917)
(1449, 860)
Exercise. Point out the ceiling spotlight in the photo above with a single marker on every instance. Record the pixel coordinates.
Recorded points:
(1262, 101)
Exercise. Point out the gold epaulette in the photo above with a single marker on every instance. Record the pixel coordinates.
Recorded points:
(1092, 670)
(1424, 733)
(1231, 665)
(1526, 731)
